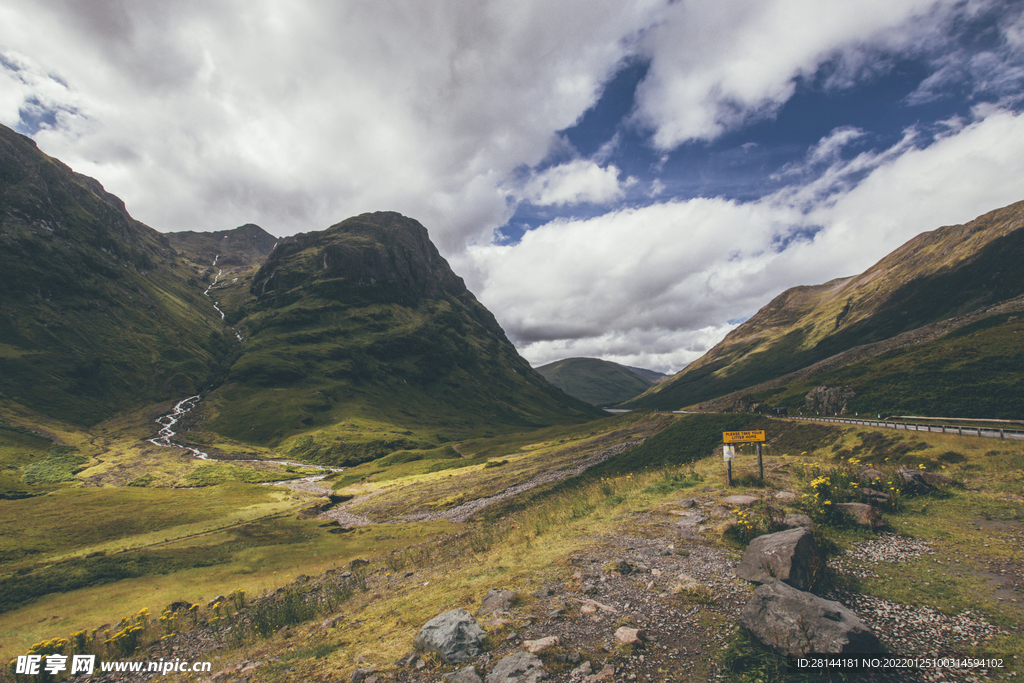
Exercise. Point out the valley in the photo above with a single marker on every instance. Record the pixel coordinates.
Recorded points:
(285, 456)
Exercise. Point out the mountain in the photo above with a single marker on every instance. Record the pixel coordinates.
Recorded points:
(366, 321)
(97, 312)
(100, 314)
(926, 290)
(245, 245)
(652, 376)
(596, 381)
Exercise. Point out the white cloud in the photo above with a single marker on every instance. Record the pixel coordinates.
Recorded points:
(574, 182)
(208, 115)
(716, 66)
(655, 283)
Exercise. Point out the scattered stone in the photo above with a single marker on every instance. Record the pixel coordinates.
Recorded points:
(794, 520)
(582, 670)
(520, 667)
(687, 503)
(362, 675)
(795, 623)
(467, 675)
(740, 501)
(219, 598)
(358, 562)
(454, 635)
(605, 674)
(496, 601)
(721, 511)
(784, 555)
(786, 495)
(862, 514)
(629, 636)
(541, 644)
(594, 605)
(408, 660)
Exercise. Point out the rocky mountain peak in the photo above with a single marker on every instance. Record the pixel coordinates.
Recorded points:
(383, 251)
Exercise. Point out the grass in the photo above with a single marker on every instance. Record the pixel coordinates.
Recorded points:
(420, 570)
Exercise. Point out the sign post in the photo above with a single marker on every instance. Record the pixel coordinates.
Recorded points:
(728, 452)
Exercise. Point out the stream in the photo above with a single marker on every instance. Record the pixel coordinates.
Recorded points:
(184, 406)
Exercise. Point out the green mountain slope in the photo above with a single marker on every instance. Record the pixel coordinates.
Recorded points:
(365, 320)
(97, 312)
(947, 273)
(595, 381)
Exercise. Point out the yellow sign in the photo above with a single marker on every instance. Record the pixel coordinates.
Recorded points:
(742, 437)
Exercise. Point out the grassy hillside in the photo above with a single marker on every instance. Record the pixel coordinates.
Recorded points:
(97, 313)
(974, 371)
(938, 275)
(595, 381)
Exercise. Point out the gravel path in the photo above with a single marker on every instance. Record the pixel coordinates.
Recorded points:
(461, 513)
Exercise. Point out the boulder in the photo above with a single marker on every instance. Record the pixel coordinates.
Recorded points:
(873, 497)
(454, 635)
(784, 555)
(496, 601)
(794, 521)
(786, 495)
(795, 623)
(467, 675)
(862, 514)
(629, 636)
(740, 501)
(913, 481)
(520, 667)
(869, 475)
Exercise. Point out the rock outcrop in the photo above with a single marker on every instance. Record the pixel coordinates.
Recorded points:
(454, 635)
(786, 555)
(795, 623)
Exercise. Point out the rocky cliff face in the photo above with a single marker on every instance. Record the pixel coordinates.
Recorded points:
(385, 251)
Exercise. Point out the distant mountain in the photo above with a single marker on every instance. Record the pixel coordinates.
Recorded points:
(243, 246)
(652, 376)
(935, 283)
(97, 312)
(596, 381)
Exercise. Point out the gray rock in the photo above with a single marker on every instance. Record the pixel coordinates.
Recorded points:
(740, 501)
(521, 667)
(862, 514)
(869, 475)
(467, 675)
(873, 497)
(454, 635)
(786, 495)
(794, 520)
(785, 555)
(795, 623)
(496, 601)
(361, 675)
(913, 481)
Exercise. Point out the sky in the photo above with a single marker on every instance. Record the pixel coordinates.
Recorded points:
(613, 179)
